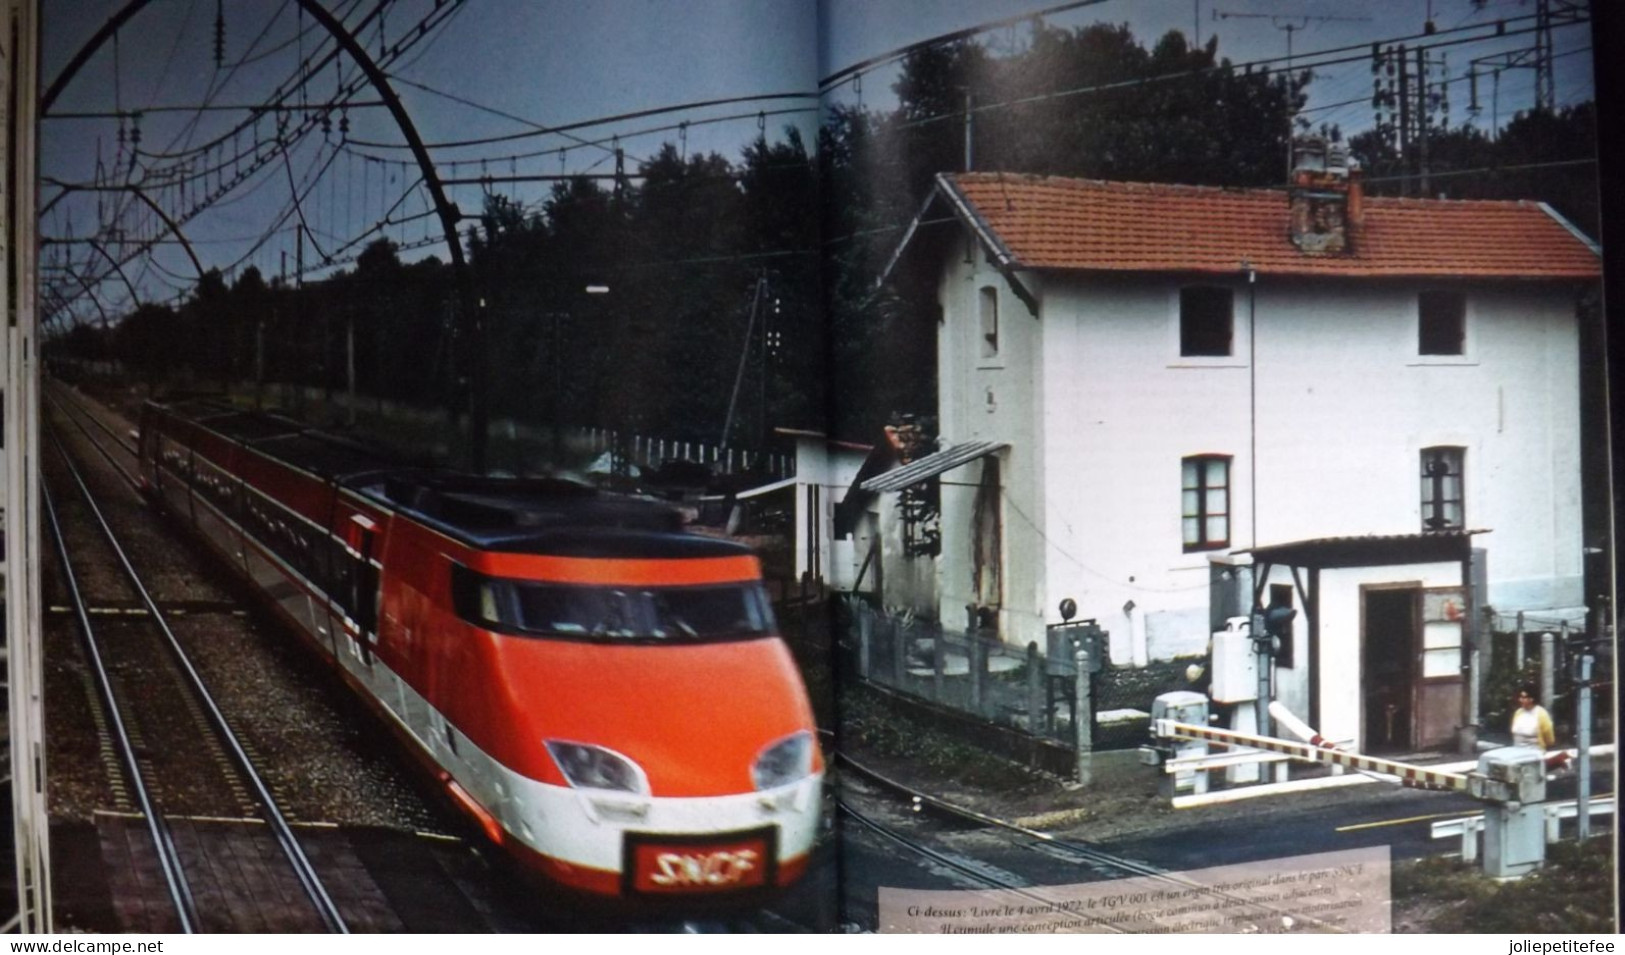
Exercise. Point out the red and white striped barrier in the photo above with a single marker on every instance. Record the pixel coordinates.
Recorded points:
(1416, 776)
(1289, 720)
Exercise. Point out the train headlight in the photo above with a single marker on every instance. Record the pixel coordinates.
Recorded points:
(593, 767)
(784, 762)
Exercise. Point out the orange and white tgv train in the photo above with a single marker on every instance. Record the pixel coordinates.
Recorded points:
(604, 693)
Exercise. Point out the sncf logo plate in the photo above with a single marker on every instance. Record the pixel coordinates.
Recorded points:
(679, 866)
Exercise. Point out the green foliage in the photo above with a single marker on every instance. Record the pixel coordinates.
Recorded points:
(1571, 894)
(1501, 683)
(1518, 164)
(683, 248)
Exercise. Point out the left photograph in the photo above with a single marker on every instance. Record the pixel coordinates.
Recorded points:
(408, 418)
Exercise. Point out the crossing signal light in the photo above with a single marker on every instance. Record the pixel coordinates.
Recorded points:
(1271, 627)
(1278, 621)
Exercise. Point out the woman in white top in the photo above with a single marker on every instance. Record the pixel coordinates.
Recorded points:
(1531, 724)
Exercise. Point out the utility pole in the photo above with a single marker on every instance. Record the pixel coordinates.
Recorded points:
(1422, 119)
(1404, 122)
(1411, 102)
(969, 165)
(1600, 625)
(744, 357)
(349, 361)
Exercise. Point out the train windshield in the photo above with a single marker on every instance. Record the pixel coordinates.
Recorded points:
(694, 613)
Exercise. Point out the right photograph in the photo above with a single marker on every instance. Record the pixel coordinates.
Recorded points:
(1217, 485)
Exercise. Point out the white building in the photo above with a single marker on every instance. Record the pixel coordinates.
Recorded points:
(1157, 385)
(825, 468)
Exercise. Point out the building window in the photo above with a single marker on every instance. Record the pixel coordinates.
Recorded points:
(1206, 502)
(988, 308)
(1206, 319)
(1441, 323)
(1442, 498)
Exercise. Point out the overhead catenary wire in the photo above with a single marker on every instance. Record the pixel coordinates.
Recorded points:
(213, 168)
(599, 121)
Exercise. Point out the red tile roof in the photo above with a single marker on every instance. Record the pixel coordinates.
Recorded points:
(1052, 223)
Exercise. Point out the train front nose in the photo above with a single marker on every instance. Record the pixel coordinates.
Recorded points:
(689, 770)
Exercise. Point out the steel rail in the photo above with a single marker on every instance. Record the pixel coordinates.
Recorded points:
(1034, 893)
(303, 870)
(81, 412)
(175, 883)
(85, 409)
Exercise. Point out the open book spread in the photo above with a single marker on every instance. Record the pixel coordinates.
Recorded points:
(974, 468)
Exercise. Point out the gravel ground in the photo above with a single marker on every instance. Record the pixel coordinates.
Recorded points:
(324, 757)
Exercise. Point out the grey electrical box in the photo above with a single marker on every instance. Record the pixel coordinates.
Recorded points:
(1064, 642)
(1512, 780)
(1181, 706)
(1514, 840)
(1510, 774)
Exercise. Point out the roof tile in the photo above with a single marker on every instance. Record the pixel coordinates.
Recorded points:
(1078, 224)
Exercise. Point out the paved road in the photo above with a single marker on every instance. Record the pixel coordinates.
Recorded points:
(1273, 828)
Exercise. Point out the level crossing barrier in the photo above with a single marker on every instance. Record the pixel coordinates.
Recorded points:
(1407, 774)
(1467, 828)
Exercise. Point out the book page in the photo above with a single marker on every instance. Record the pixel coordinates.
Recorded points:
(1206, 402)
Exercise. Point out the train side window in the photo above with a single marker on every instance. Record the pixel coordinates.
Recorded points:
(364, 582)
(341, 581)
(470, 595)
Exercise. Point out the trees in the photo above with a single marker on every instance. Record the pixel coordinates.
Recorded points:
(1091, 102)
(1540, 154)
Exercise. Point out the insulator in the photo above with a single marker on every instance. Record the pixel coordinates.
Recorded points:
(344, 123)
(327, 124)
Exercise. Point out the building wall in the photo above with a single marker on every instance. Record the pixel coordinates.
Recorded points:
(1343, 406)
(907, 582)
(1340, 642)
(998, 398)
(1122, 409)
(824, 473)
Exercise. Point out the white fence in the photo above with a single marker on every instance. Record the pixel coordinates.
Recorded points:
(1467, 828)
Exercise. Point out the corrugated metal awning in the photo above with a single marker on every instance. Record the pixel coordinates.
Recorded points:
(932, 465)
(1374, 550)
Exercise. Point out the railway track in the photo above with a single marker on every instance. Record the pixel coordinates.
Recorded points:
(212, 787)
(177, 751)
(1047, 844)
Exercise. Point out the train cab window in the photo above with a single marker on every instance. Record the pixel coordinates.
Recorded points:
(711, 612)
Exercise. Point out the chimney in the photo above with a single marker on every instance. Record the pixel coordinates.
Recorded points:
(1319, 197)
